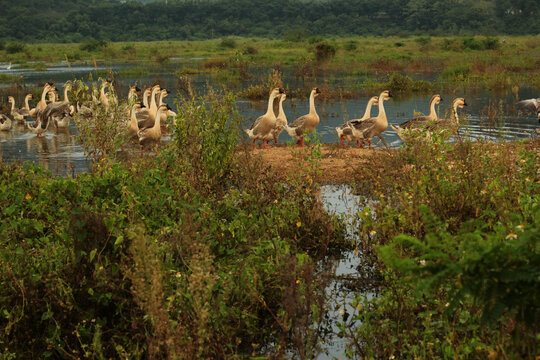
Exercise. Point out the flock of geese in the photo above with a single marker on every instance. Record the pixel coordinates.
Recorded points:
(268, 126)
(143, 120)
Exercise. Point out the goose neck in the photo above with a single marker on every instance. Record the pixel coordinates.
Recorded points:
(153, 104)
(312, 103)
(157, 120)
(66, 89)
(281, 112)
(270, 109)
(432, 111)
(26, 100)
(12, 104)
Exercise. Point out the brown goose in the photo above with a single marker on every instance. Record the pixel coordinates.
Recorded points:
(152, 134)
(307, 123)
(20, 114)
(345, 131)
(262, 127)
(420, 122)
(367, 129)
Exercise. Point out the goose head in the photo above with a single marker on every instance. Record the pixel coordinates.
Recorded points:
(283, 97)
(459, 103)
(276, 92)
(436, 99)
(316, 92)
(385, 95)
(164, 93)
(375, 100)
(30, 96)
(137, 105)
(11, 99)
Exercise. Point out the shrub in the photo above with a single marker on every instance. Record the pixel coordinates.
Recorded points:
(186, 254)
(455, 229)
(491, 43)
(250, 50)
(472, 44)
(351, 45)
(15, 47)
(423, 40)
(324, 51)
(297, 35)
(92, 45)
(228, 43)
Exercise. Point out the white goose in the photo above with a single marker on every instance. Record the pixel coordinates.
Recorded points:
(367, 129)
(307, 123)
(262, 127)
(345, 131)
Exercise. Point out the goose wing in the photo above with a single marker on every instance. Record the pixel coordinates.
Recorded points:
(415, 122)
(531, 104)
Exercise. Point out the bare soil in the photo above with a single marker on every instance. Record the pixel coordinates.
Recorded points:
(337, 165)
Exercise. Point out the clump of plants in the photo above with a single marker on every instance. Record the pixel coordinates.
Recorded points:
(92, 45)
(190, 253)
(324, 51)
(15, 47)
(453, 229)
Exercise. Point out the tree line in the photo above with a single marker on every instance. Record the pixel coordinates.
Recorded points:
(77, 20)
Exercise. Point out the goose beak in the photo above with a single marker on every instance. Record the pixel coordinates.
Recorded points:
(440, 99)
(389, 94)
(281, 91)
(317, 91)
(137, 89)
(465, 103)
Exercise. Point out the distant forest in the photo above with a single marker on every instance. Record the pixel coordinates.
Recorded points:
(77, 20)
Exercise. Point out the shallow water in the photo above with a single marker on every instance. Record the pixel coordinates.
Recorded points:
(63, 155)
(348, 268)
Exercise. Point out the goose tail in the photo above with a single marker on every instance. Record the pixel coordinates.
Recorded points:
(398, 131)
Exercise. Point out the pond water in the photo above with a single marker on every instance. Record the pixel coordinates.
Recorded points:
(62, 154)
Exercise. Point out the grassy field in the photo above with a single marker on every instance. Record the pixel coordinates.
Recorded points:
(494, 62)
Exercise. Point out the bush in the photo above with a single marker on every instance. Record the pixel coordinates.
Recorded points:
(491, 43)
(324, 51)
(186, 254)
(472, 44)
(455, 229)
(92, 45)
(297, 35)
(351, 45)
(228, 43)
(423, 40)
(250, 50)
(15, 47)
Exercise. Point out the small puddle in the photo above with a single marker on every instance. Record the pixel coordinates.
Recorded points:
(349, 269)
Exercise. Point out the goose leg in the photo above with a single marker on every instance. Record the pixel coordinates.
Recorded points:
(341, 140)
(253, 143)
(265, 143)
(301, 142)
(369, 141)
